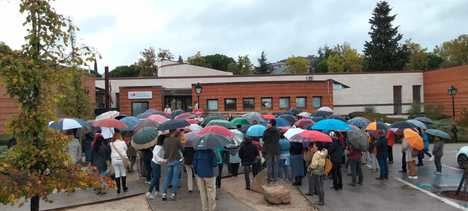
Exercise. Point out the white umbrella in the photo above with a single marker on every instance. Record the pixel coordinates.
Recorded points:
(108, 115)
(292, 132)
(194, 127)
(326, 108)
(238, 136)
(65, 124)
(304, 114)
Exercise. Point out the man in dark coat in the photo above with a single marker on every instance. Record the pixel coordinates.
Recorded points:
(382, 154)
(248, 154)
(336, 152)
(271, 149)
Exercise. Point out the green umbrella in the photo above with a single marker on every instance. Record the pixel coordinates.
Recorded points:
(145, 138)
(222, 123)
(239, 121)
(208, 119)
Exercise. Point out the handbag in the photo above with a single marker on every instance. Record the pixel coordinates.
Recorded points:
(328, 166)
(124, 158)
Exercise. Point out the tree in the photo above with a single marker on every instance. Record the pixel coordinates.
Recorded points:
(125, 71)
(297, 65)
(383, 52)
(343, 58)
(218, 61)
(434, 61)
(320, 61)
(263, 67)
(164, 55)
(454, 52)
(147, 63)
(197, 60)
(244, 65)
(418, 57)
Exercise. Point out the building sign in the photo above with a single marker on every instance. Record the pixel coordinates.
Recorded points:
(140, 95)
(310, 78)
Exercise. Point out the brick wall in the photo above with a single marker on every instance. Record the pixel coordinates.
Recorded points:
(437, 82)
(126, 104)
(257, 90)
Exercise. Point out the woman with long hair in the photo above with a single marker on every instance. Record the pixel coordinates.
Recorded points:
(100, 154)
(118, 155)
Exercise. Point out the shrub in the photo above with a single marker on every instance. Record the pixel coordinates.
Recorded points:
(369, 109)
(434, 112)
(463, 119)
(415, 110)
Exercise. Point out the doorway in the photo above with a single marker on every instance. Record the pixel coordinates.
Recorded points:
(397, 100)
(178, 102)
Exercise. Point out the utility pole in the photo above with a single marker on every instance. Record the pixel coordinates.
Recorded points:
(107, 93)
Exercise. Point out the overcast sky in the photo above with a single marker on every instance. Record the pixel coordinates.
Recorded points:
(120, 29)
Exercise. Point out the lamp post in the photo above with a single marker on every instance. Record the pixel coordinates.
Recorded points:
(452, 91)
(198, 91)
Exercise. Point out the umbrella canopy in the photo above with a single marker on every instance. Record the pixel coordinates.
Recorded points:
(239, 121)
(190, 138)
(216, 129)
(338, 117)
(110, 123)
(108, 115)
(256, 130)
(413, 139)
(194, 127)
(402, 125)
(193, 121)
(290, 118)
(311, 136)
(198, 112)
(176, 113)
(438, 133)
(359, 122)
(145, 123)
(292, 132)
(173, 124)
(417, 123)
(268, 116)
(358, 139)
(304, 114)
(424, 120)
(325, 108)
(294, 111)
(150, 112)
(331, 124)
(318, 118)
(208, 119)
(65, 124)
(158, 118)
(212, 141)
(282, 122)
(238, 136)
(131, 123)
(376, 126)
(185, 115)
(222, 123)
(304, 123)
(323, 114)
(253, 117)
(145, 138)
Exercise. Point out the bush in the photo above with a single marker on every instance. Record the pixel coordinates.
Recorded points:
(369, 109)
(434, 112)
(415, 110)
(463, 120)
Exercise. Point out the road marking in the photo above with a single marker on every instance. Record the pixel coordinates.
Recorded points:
(451, 167)
(433, 195)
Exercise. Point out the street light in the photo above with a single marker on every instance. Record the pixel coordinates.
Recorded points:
(452, 91)
(198, 91)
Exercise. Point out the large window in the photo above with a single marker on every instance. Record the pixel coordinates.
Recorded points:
(212, 105)
(416, 94)
(317, 102)
(284, 103)
(230, 104)
(248, 104)
(139, 107)
(301, 102)
(267, 103)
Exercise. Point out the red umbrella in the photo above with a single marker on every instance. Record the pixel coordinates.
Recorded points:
(311, 136)
(198, 112)
(268, 116)
(185, 115)
(157, 118)
(217, 130)
(192, 121)
(304, 123)
(111, 123)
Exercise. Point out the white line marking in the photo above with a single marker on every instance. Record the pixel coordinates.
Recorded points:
(451, 167)
(433, 195)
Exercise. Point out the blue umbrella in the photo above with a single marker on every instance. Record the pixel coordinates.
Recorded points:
(131, 123)
(359, 122)
(256, 130)
(290, 118)
(438, 133)
(331, 124)
(281, 122)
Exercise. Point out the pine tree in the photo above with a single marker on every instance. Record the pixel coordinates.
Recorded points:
(383, 52)
(263, 65)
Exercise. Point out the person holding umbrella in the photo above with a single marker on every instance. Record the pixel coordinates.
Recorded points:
(336, 156)
(381, 147)
(271, 148)
(354, 157)
(438, 148)
(173, 154)
(204, 165)
(156, 163)
(316, 171)
(248, 154)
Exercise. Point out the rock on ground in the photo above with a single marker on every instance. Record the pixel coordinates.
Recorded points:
(277, 194)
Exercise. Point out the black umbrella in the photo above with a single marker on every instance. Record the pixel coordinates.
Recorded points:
(322, 113)
(337, 117)
(402, 125)
(212, 141)
(291, 119)
(173, 124)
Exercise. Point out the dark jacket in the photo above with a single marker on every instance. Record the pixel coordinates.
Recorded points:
(296, 148)
(172, 148)
(381, 147)
(438, 149)
(100, 154)
(188, 155)
(271, 138)
(336, 152)
(248, 153)
(204, 163)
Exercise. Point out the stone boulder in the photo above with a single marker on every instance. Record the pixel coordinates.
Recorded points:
(259, 181)
(277, 194)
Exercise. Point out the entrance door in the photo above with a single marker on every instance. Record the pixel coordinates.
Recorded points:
(397, 100)
(178, 102)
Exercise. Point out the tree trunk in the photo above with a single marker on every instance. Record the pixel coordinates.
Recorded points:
(35, 203)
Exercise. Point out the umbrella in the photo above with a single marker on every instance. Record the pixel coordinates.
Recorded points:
(256, 130)
(325, 108)
(413, 139)
(402, 125)
(131, 122)
(331, 124)
(145, 138)
(318, 118)
(304, 114)
(120, 116)
(376, 126)
(194, 127)
(65, 124)
(282, 122)
(438, 133)
(108, 115)
(173, 124)
(304, 123)
(338, 117)
(253, 117)
(145, 123)
(417, 123)
(291, 119)
(222, 123)
(176, 113)
(424, 119)
(210, 118)
(198, 112)
(324, 114)
(311, 136)
(212, 141)
(358, 139)
(185, 115)
(238, 136)
(268, 116)
(190, 138)
(110, 123)
(158, 118)
(216, 129)
(192, 121)
(239, 121)
(292, 132)
(294, 111)
(150, 112)
(360, 122)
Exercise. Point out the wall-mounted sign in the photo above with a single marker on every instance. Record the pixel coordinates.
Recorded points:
(140, 95)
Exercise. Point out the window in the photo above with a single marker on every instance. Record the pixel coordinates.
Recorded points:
(212, 105)
(267, 103)
(117, 99)
(301, 102)
(317, 102)
(416, 94)
(139, 107)
(248, 104)
(230, 104)
(284, 103)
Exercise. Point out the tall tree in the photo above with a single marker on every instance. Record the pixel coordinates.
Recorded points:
(244, 64)
(343, 58)
(383, 51)
(125, 71)
(320, 61)
(218, 61)
(418, 57)
(297, 65)
(165, 55)
(263, 67)
(454, 52)
(147, 63)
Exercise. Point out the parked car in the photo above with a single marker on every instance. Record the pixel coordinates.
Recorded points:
(462, 156)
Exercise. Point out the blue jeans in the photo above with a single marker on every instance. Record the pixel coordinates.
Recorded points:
(284, 169)
(383, 165)
(155, 177)
(172, 176)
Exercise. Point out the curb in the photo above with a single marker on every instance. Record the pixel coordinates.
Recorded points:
(311, 203)
(96, 202)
